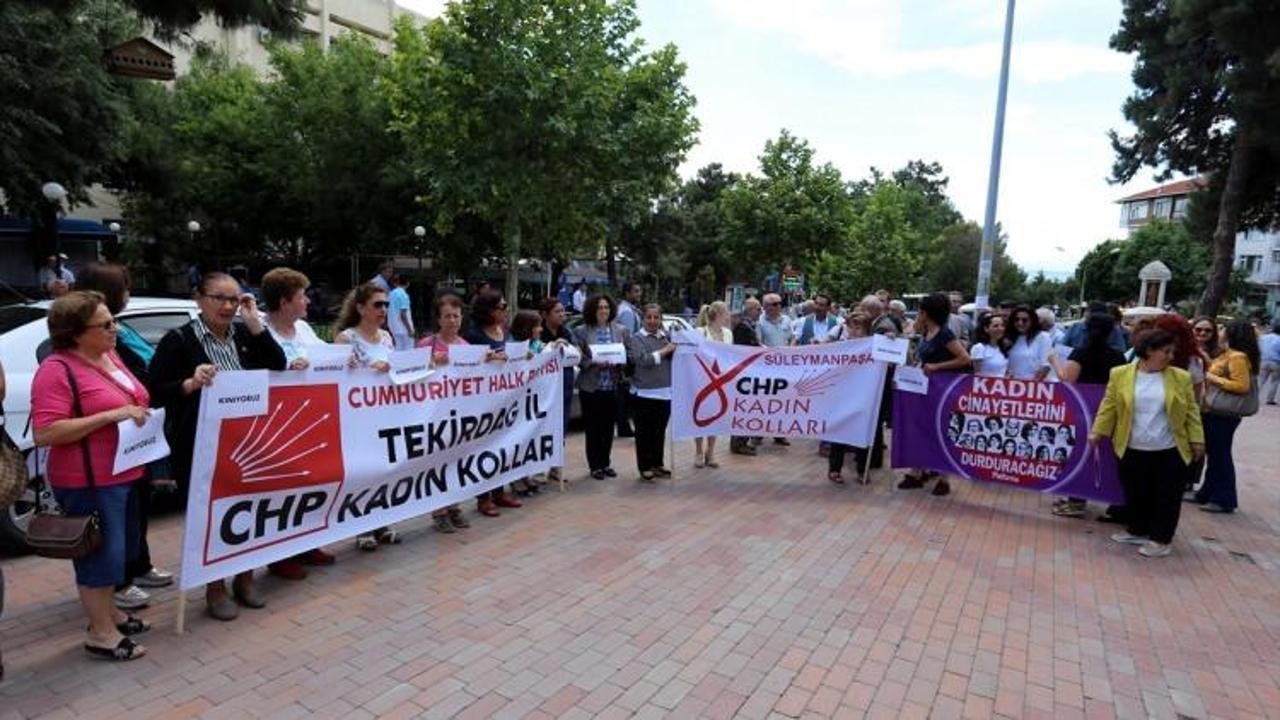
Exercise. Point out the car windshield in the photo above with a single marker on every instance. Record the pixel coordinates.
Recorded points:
(15, 316)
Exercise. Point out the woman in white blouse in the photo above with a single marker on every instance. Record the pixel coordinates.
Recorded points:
(284, 293)
(1029, 348)
(713, 324)
(990, 352)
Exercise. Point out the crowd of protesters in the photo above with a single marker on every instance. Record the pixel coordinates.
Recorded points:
(1170, 388)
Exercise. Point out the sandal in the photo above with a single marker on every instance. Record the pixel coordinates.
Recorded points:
(133, 626)
(387, 536)
(711, 463)
(124, 651)
(647, 476)
(836, 478)
(366, 543)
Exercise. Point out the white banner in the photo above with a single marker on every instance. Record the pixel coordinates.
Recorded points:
(829, 391)
(339, 451)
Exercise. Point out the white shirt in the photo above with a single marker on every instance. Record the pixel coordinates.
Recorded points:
(1150, 421)
(124, 378)
(579, 299)
(988, 361)
(726, 335)
(663, 393)
(366, 352)
(296, 346)
(1025, 360)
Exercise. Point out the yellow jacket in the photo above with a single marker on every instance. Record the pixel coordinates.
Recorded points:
(1115, 415)
(1233, 367)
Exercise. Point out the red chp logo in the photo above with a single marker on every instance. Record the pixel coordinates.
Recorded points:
(276, 475)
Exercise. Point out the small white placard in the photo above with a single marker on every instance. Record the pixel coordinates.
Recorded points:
(890, 350)
(140, 444)
(238, 393)
(912, 379)
(609, 354)
(570, 355)
(326, 358)
(409, 366)
(517, 350)
(467, 355)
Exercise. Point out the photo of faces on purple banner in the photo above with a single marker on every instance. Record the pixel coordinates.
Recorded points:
(1011, 437)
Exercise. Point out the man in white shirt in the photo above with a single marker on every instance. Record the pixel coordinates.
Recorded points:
(580, 297)
(55, 268)
(812, 328)
(383, 278)
(399, 315)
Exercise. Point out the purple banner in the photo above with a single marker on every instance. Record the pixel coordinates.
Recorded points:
(1022, 433)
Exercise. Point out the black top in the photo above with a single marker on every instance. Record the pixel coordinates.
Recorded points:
(562, 333)
(934, 350)
(176, 358)
(476, 336)
(1095, 365)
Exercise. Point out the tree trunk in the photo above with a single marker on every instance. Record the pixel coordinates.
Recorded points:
(1230, 207)
(513, 270)
(611, 264)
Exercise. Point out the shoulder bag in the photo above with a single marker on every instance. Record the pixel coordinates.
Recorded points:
(13, 469)
(62, 536)
(1228, 404)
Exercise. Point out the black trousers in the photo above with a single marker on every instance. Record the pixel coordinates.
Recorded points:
(599, 410)
(139, 507)
(1153, 483)
(651, 417)
(624, 411)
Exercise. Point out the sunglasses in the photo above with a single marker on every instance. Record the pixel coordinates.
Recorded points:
(380, 304)
(107, 325)
(1204, 331)
(224, 299)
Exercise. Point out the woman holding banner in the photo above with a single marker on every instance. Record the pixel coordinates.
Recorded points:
(79, 394)
(713, 324)
(1090, 364)
(360, 323)
(187, 359)
(650, 350)
(598, 379)
(990, 351)
(856, 325)
(938, 350)
(554, 332)
(1150, 414)
(1029, 348)
(284, 292)
(489, 327)
(448, 312)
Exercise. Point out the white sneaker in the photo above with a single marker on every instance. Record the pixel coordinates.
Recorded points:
(131, 598)
(155, 578)
(1128, 539)
(1153, 549)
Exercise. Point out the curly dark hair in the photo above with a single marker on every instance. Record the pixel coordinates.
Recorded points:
(936, 307)
(485, 307)
(593, 302)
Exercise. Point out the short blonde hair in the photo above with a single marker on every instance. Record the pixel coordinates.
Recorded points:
(69, 317)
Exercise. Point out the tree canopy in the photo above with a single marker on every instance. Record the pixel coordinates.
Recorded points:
(1206, 101)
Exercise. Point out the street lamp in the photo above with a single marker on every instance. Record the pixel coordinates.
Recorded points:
(112, 250)
(55, 194)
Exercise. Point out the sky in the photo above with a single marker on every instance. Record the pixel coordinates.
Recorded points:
(882, 82)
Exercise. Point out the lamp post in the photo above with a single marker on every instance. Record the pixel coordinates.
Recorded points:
(54, 193)
(993, 179)
(112, 254)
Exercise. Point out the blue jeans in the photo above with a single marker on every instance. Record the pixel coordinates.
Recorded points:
(1219, 485)
(104, 567)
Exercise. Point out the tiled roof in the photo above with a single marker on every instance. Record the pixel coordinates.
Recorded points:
(1179, 187)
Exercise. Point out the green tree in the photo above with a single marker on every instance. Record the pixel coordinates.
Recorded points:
(172, 16)
(795, 210)
(1171, 244)
(510, 110)
(1207, 99)
(953, 263)
(1094, 273)
(876, 252)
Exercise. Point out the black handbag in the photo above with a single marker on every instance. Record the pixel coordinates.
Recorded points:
(13, 469)
(56, 534)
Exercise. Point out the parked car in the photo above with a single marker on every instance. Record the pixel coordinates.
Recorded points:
(24, 342)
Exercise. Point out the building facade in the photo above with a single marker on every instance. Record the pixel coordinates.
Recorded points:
(1257, 251)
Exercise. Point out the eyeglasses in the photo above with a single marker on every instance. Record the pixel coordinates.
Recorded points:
(107, 325)
(380, 304)
(1203, 331)
(773, 304)
(223, 299)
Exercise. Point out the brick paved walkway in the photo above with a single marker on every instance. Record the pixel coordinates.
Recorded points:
(758, 590)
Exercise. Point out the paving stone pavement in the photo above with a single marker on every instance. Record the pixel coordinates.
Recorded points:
(758, 590)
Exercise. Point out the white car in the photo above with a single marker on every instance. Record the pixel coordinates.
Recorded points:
(24, 342)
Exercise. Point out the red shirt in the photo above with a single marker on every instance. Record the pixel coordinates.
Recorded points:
(51, 401)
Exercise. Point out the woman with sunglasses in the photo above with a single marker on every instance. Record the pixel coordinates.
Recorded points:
(1235, 371)
(938, 350)
(187, 360)
(360, 323)
(79, 394)
(489, 327)
(1029, 348)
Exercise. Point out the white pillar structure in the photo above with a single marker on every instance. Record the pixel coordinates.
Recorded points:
(1154, 279)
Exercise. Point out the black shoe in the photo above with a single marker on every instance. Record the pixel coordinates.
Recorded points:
(911, 482)
(942, 487)
(781, 441)
(1211, 507)
(597, 474)
(610, 472)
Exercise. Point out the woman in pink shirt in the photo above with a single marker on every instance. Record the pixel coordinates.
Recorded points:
(78, 395)
(448, 323)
